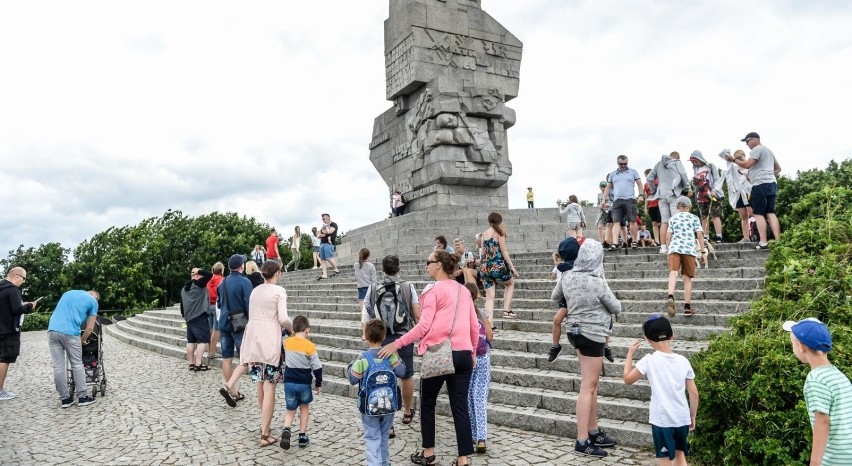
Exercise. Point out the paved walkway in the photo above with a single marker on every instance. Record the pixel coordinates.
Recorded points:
(157, 412)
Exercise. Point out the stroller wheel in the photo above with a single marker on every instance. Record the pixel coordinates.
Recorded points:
(94, 392)
(103, 386)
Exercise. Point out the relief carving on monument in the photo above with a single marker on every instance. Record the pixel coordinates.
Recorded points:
(449, 79)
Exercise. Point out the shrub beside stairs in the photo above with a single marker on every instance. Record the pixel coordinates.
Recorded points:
(527, 392)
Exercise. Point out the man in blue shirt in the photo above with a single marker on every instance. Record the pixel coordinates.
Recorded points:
(621, 183)
(233, 293)
(63, 333)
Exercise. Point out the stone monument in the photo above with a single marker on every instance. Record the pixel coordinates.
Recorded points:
(450, 68)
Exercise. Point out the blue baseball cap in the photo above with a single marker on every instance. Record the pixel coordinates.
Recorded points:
(811, 332)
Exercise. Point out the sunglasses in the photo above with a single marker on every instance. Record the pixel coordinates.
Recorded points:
(622, 164)
(430, 262)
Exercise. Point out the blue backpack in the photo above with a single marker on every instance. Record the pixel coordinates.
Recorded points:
(378, 391)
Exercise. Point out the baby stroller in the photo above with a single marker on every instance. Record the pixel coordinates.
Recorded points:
(93, 362)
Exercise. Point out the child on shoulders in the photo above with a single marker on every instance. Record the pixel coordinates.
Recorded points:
(376, 427)
(670, 375)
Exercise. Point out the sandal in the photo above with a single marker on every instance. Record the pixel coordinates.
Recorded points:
(239, 397)
(322, 278)
(229, 397)
(510, 314)
(392, 433)
(335, 273)
(480, 446)
(407, 418)
(267, 440)
(418, 458)
(192, 367)
(202, 368)
(455, 462)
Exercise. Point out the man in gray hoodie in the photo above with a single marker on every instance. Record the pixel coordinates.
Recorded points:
(672, 181)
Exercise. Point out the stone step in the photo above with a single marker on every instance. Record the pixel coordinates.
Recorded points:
(531, 406)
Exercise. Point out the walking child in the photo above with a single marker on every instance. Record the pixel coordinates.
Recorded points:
(669, 375)
(574, 216)
(480, 379)
(378, 394)
(828, 393)
(302, 365)
(680, 241)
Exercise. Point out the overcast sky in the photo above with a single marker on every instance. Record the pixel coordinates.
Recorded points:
(112, 112)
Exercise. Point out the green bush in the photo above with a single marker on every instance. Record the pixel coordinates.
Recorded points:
(752, 410)
(36, 321)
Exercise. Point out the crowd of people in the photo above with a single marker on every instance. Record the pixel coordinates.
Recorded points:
(244, 314)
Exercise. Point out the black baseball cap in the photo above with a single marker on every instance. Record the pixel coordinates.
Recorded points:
(657, 328)
(750, 135)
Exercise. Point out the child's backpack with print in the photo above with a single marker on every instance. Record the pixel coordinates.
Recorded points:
(390, 301)
(378, 391)
(483, 346)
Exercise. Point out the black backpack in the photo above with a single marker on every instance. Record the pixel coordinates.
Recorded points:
(390, 303)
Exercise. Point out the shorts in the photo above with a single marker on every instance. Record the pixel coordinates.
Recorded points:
(714, 209)
(326, 251)
(496, 272)
(261, 372)
(585, 346)
(763, 198)
(198, 330)
(315, 248)
(10, 347)
(229, 342)
(573, 225)
(297, 394)
(362, 292)
(667, 440)
(654, 213)
(623, 209)
(601, 221)
(406, 355)
(741, 204)
(668, 207)
(683, 263)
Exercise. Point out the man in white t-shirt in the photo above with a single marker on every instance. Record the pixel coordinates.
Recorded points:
(669, 375)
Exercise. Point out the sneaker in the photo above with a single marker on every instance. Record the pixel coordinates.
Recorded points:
(589, 449)
(670, 307)
(85, 401)
(690, 312)
(554, 351)
(6, 395)
(285, 268)
(762, 246)
(601, 439)
(608, 354)
(664, 249)
(719, 239)
(285, 439)
(303, 440)
(67, 402)
(612, 247)
(744, 240)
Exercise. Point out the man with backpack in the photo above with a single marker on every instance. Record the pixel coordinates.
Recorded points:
(378, 393)
(395, 302)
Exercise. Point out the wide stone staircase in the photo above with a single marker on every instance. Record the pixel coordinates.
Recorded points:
(526, 391)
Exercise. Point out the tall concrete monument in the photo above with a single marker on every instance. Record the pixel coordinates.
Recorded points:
(450, 68)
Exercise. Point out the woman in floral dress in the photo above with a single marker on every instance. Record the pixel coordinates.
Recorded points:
(497, 267)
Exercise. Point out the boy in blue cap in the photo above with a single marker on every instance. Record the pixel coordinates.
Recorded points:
(828, 393)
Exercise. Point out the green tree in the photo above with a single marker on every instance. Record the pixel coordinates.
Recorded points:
(45, 268)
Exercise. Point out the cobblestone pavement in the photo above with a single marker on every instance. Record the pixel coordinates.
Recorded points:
(157, 412)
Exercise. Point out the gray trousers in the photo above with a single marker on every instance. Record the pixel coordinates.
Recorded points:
(295, 261)
(61, 344)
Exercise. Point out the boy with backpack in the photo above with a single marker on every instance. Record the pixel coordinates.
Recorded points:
(670, 375)
(378, 394)
(394, 301)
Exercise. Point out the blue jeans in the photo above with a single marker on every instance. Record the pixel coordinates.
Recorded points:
(230, 342)
(297, 394)
(376, 429)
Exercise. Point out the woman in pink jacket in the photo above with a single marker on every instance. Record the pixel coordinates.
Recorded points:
(261, 347)
(438, 304)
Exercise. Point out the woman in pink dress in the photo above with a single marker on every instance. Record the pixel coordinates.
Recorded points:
(261, 348)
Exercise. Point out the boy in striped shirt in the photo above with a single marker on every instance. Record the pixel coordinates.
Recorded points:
(828, 394)
(302, 365)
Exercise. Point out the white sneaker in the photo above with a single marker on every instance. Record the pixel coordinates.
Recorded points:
(664, 249)
(6, 395)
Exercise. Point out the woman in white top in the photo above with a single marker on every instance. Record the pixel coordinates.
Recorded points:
(295, 242)
(315, 245)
